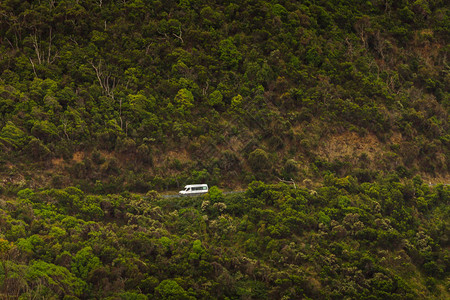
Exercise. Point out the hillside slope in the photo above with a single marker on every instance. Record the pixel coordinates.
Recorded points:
(134, 95)
(381, 240)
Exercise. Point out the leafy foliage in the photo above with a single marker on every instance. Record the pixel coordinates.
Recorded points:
(99, 99)
(383, 239)
(144, 83)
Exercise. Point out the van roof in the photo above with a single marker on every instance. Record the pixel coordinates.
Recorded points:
(192, 185)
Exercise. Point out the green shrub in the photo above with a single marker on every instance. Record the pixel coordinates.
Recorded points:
(12, 137)
(37, 150)
(259, 160)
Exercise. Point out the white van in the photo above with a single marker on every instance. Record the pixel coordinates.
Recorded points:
(194, 189)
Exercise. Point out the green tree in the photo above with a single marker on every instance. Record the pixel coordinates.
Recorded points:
(215, 98)
(84, 262)
(12, 137)
(184, 100)
(215, 195)
(229, 54)
(45, 130)
(171, 290)
(57, 280)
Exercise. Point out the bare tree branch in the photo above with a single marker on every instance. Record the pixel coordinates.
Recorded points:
(179, 36)
(34, 69)
(36, 46)
(49, 45)
(205, 89)
(291, 181)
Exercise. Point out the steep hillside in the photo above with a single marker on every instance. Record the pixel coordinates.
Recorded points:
(133, 95)
(381, 240)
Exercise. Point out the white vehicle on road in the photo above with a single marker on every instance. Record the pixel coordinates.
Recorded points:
(194, 189)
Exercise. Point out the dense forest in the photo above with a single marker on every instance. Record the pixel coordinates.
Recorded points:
(380, 240)
(119, 96)
(332, 115)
